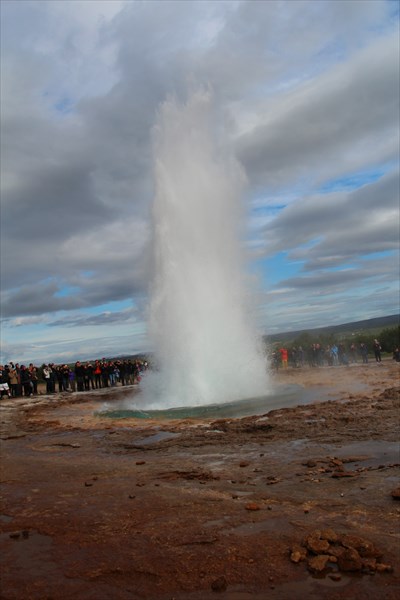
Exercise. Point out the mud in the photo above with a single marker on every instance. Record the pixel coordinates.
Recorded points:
(193, 509)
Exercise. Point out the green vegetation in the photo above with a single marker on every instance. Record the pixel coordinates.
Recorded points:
(347, 334)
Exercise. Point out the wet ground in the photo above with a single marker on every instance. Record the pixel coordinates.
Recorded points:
(100, 508)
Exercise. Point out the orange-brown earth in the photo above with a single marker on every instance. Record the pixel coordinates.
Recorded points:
(295, 503)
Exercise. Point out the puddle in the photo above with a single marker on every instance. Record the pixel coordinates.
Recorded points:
(5, 518)
(273, 524)
(156, 437)
(370, 453)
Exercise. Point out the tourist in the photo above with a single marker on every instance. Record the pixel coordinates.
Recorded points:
(13, 377)
(46, 370)
(377, 351)
(364, 353)
(4, 387)
(34, 377)
(97, 374)
(284, 357)
(79, 375)
(26, 381)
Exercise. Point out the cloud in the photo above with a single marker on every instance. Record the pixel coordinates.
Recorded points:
(307, 93)
(346, 119)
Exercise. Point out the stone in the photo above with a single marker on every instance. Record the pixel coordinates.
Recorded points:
(369, 564)
(244, 463)
(382, 568)
(252, 506)
(336, 551)
(219, 585)
(395, 494)
(349, 560)
(315, 544)
(338, 474)
(317, 564)
(329, 535)
(298, 553)
(364, 547)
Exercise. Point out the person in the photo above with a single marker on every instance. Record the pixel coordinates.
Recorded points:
(26, 381)
(4, 387)
(334, 355)
(377, 351)
(34, 377)
(396, 354)
(46, 370)
(79, 375)
(13, 377)
(353, 353)
(284, 357)
(364, 353)
(97, 374)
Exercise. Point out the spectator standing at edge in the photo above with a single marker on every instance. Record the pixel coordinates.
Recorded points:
(284, 357)
(13, 375)
(377, 351)
(364, 353)
(97, 375)
(4, 387)
(26, 381)
(34, 377)
(46, 369)
(79, 375)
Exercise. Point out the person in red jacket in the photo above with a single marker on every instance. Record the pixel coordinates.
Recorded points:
(284, 357)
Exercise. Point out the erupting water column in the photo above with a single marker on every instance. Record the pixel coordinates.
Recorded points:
(199, 323)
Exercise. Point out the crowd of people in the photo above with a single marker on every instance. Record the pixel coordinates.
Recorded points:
(318, 355)
(20, 380)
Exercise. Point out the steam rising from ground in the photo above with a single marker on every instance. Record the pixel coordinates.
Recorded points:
(199, 322)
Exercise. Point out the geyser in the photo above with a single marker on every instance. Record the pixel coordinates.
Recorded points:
(200, 320)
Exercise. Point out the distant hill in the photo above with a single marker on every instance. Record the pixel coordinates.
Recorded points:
(356, 327)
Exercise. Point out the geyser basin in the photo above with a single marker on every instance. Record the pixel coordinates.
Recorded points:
(282, 397)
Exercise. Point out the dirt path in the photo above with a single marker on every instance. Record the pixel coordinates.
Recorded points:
(94, 508)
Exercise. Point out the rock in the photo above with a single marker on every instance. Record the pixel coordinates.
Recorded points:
(364, 547)
(140, 462)
(316, 544)
(369, 564)
(335, 576)
(252, 506)
(382, 568)
(298, 553)
(329, 535)
(349, 560)
(336, 551)
(317, 564)
(395, 494)
(310, 464)
(14, 535)
(337, 474)
(244, 463)
(219, 585)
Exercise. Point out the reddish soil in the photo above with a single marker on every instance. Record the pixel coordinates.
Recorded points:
(93, 508)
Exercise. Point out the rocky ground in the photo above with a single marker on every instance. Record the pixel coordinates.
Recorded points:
(296, 503)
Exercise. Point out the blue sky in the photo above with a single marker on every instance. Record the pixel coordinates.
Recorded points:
(308, 93)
